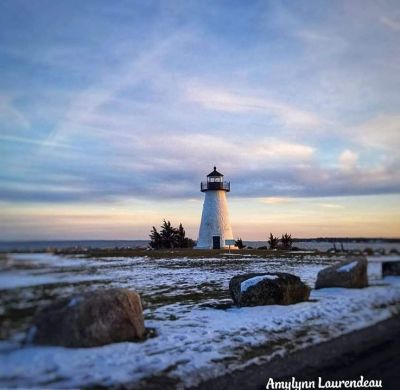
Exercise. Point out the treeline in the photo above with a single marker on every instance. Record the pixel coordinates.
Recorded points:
(170, 237)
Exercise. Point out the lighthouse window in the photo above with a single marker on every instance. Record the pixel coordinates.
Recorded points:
(215, 179)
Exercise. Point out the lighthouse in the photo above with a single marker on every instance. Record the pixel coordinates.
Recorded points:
(215, 229)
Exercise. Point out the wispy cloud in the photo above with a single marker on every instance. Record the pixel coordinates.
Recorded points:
(380, 132)
(393, 24)
(224, 100)
(331, 206)
(10, 116)
(37, 142)
(135, 69)
(273, 200)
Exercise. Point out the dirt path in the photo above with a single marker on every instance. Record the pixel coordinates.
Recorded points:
(372, 352)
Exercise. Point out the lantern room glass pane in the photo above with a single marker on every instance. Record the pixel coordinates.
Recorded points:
(214, 179)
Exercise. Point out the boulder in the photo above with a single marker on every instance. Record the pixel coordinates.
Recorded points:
(268, 289)
(91, 319)
(350, 273)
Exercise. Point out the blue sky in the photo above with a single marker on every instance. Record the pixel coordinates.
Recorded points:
(112, 112)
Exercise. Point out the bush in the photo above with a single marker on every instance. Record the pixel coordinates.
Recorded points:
(239, 243)
(155, 239)
(272, 241)
(169, 237)
(286, 241)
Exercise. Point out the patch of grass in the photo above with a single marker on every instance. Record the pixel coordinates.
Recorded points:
(224, 304)
(191, 297)
(181, 253)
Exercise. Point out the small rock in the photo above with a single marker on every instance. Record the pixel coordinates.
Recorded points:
(91, 319)
(351, 273)
(268, 289)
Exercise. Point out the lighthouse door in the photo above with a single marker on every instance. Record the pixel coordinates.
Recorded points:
(216, 242)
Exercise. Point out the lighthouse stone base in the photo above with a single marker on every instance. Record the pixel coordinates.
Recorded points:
(214, 221)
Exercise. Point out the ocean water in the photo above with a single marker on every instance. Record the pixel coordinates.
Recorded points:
(44, 245)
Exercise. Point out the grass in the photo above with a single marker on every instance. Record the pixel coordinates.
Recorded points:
(205, 292)
(178, 253)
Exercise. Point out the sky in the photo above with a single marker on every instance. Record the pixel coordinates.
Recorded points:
(112, 112)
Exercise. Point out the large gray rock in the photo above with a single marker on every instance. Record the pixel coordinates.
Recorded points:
(95, 318)
(268, 289)
(350, 273)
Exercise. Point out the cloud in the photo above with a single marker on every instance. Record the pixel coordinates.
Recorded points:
(10, 116)
(390, 22)
(380, 132)
(173, 168)
(229, 150)
(276, 200)
(29, 140)
(221, 99)
(330, 206)
(133, 69)
(348, 160)
(150, 111)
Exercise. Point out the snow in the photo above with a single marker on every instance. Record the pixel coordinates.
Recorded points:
(196, 339)
(246, 284)
(347, 267)
(383, 259)
(11, 280)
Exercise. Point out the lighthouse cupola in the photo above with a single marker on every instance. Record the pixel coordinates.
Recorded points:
(215, 229)
(215, 181)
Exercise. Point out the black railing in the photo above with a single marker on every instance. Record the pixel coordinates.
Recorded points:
(215, 185)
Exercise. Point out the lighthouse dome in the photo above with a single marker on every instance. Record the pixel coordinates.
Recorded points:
(215, 173)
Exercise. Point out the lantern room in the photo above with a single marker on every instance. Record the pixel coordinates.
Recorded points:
(215, 182)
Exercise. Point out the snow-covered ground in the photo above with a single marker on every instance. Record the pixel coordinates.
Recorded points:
(200, 333)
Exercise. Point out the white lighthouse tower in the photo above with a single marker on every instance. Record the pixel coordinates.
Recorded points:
(215, 228)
